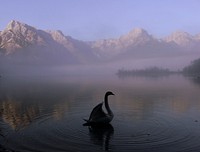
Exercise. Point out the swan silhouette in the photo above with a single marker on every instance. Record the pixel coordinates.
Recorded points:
(98, 116)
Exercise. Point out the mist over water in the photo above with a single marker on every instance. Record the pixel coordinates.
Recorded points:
(45, 113)
(13, 69)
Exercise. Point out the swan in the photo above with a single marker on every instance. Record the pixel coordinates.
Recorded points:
(98, 116)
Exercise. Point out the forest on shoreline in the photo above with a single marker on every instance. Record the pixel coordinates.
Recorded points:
(191, 70)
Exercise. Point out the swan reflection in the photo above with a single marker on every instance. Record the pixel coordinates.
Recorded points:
(101, 135)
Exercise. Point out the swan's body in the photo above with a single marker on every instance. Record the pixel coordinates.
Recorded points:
(98, 116)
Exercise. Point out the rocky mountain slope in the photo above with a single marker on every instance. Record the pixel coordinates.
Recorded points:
(19, 39)
(38, 46)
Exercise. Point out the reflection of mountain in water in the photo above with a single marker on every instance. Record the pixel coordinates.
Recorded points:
(138, 98)
(20, 114)
(141, 97)
(101, 135)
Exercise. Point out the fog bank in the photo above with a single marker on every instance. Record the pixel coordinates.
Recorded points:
(172, 63)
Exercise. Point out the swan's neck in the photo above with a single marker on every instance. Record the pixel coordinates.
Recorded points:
(107, 106)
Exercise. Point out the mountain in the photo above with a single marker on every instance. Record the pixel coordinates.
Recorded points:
(19, 39)
(113, 47)
(136, 44)
(23, 43)
(183, 39)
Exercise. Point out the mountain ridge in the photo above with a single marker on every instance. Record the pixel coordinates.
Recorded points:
(138, 43)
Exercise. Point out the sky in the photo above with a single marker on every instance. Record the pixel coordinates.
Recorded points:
(102, 19)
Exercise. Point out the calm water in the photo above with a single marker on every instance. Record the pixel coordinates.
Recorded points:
(151, 114)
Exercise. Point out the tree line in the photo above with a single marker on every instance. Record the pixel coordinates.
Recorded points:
(152, 71)
(193, 69)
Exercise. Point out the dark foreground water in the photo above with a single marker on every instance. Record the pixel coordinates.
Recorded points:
(151, 114)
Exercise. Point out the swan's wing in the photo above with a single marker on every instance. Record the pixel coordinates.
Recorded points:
(97, 113)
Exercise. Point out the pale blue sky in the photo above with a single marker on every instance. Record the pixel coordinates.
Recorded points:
(98, 19)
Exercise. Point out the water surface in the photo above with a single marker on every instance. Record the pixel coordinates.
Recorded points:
(151, 114)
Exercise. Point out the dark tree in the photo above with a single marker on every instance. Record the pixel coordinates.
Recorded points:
(193, 68)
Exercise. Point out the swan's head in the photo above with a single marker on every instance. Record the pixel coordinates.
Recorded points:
(109, 93)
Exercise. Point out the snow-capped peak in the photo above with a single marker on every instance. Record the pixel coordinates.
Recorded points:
(180, 38)
(137, 36)
(138, 32)
(18, 26)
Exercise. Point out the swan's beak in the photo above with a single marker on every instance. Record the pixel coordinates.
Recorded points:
(113, 94)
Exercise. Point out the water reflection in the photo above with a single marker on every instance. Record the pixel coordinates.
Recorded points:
(196, 80)
(2, 137)
(149, 114)
(101, 135)
(20, 114)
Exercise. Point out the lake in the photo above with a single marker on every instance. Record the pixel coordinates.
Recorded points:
(45, 114)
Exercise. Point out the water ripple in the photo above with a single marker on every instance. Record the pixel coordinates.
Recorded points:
(159, 133)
